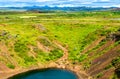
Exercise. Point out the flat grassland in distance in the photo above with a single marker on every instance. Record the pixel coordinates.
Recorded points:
(28, 38)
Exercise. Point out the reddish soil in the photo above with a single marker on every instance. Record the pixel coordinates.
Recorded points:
(107, 73)
(5, 54)
(42, 47)
(101, 62)
(101, 48)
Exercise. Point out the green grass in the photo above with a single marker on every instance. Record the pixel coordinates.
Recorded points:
(76, 30)
(11, 66)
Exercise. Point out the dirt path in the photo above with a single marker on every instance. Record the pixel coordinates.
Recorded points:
(42, 47)
(64, 49)
(62, 63)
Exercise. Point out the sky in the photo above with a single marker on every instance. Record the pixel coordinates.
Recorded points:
(60, 3)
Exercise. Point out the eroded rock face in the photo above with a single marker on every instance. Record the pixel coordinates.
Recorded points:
(117, 37)
(117, 72)
(114, 36)
(40, 27)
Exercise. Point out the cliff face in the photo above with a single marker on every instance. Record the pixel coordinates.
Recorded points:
(103, 57)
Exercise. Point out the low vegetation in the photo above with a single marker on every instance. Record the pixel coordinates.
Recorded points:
(89, 37)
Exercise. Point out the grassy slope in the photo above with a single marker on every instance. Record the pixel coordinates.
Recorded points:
(75, 30)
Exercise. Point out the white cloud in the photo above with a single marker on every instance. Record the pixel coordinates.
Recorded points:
(86, 3)
(105, 0)
(44, 0)
(118, 5)
(61, 3)
(41, 0)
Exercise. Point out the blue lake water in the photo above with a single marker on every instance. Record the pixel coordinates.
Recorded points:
(46, 74)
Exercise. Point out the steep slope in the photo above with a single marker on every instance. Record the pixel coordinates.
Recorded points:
(101, 57)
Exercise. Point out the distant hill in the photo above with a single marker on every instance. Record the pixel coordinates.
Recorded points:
(47, 8)
(116, 9)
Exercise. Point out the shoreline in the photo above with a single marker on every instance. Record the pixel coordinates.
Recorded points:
(75, 69)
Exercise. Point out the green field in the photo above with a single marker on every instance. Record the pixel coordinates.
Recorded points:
(75, 30)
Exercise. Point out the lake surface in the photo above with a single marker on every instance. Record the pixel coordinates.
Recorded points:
(46, 74)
